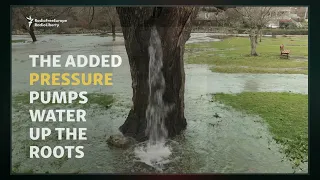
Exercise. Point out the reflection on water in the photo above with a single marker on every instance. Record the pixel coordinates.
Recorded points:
(234, 143)
(251, 85)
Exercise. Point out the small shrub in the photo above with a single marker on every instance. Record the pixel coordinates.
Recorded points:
(286, 31)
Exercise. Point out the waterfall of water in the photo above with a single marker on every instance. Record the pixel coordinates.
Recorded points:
(157, 110)
(155, 153)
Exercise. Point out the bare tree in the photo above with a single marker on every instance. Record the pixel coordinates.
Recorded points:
(265, 15)
(92, 14)
(112, 18)
(174, 27)
(221, 19)
(253, 19)
(107, 15)
(23, 14)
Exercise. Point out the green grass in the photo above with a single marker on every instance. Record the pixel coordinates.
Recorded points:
(236, 69)
(234, 52)
(285, 113)
(100, 99)
(18, 41)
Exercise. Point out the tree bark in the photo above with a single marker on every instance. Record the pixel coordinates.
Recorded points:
(113, 29)
(253, 38)
(260, 35)
(31, 32)
(256, 38)
(174, 28)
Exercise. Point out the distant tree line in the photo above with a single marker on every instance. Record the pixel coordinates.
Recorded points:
(77, 17)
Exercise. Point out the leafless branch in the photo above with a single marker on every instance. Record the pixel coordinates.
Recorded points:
(92, 16)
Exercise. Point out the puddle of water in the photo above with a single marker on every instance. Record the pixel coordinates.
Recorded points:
(202, 37)
(156, 155)
(234, 143)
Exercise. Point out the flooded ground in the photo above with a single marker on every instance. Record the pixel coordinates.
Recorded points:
(233, 143)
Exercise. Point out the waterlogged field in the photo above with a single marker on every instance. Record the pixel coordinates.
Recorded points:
(285, 113)
(220, 138)
(232, 55)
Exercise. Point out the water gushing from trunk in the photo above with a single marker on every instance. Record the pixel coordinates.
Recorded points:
(157, 110)
(155, 153)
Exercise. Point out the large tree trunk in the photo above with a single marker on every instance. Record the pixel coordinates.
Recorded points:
(256, 38)
(174, 27)
(31, 32)
(113, 28)
(260, 35)
(253, 38)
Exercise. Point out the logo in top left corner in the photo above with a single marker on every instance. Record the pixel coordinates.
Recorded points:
(30, 20)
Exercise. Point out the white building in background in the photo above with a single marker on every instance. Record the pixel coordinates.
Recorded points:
(273, 25)
(284, 13)
(203, 15)
(278, 14)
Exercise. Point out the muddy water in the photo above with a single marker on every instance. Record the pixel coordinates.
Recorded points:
(234, 143)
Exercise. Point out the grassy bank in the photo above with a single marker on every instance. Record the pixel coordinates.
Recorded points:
(18, 41)
(214, 29)
(256, 70)
(21, 123)
(100, 99)
(232, 55)
(285, 113)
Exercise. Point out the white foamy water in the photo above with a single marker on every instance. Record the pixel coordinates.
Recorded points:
(155, 153)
